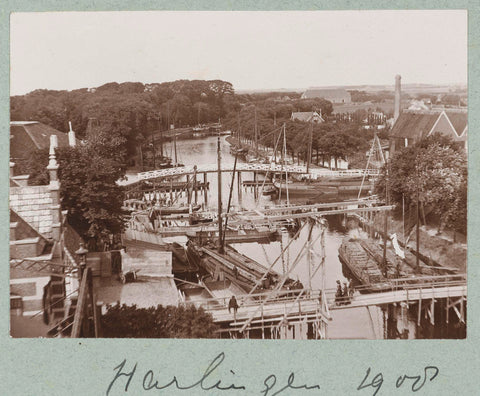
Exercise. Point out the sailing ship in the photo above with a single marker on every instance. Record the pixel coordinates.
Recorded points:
(324, 186)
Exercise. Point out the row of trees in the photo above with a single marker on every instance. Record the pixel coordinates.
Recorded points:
(331, 139)
(434, 171)
(128, 112)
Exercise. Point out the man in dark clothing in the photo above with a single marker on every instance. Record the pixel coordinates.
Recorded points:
(338, 294)
(345, 293)
(233, 304)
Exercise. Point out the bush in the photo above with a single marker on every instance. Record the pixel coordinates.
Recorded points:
(123, 321)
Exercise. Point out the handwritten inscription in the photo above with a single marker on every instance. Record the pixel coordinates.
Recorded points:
(414, 382)
(271, 385)
(130, 378)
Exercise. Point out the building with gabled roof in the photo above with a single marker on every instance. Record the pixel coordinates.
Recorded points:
(307, 116)
(334, 95)
(413, 125)
(29, 136)
(36, 245)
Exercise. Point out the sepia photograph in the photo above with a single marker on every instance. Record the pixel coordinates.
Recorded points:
(271, 175)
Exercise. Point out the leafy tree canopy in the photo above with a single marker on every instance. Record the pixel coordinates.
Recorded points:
(128, 112)
(435, 168)
(88, 188)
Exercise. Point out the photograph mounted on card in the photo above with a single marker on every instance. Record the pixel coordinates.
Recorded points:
(257, 175)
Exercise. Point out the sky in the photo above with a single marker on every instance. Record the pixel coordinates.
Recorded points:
(252, 50)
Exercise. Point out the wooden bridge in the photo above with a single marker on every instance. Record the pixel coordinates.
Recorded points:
(260, 311)
(275, 217)
(244, 167)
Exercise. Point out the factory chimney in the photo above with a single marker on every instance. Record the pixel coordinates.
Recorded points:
(398, 97)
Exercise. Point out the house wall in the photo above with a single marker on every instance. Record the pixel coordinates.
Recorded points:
(343, 99)
(31, 291)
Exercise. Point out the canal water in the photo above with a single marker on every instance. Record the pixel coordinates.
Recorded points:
(357, 323)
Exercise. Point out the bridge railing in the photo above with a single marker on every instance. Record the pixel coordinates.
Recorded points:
(255, 299)
(249, 167)
(424, 282)
(428, 281)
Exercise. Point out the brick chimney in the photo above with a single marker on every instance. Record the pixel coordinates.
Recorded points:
(398, 97)
(71, 136)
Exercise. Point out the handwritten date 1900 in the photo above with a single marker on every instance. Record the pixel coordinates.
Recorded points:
(416, 382)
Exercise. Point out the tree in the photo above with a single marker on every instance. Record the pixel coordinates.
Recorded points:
(340, 141)
(88, 188)
(90, 193)
(435, 168)
(122, 321)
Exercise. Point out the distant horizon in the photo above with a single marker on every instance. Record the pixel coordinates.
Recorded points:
(277, 89)
(259, 50)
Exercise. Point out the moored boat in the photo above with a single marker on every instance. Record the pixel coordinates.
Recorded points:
(362, 265)
(269, 190)
(303, 189)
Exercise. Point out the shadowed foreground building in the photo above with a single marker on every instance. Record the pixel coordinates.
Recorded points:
(58, 288)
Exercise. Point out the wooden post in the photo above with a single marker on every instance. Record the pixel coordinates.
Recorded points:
(239, 180)
(171, 189)
(462, 310)
(97, 315)
(448, 308)
(418, 221)
(263, 327)
(219, 176)
(189, 198)
(419, 307)
(195, 184)
(432, 314)
(255, 190)
(205, 194)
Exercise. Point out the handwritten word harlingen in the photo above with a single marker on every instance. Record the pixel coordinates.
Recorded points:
(416, 382)
(269, 386)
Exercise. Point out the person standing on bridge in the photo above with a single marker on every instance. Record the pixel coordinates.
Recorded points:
(338, 294)
(351, 288)
(233, 304)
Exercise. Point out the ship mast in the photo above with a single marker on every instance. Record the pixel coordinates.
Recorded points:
(309, 149)
(229, 199)
(175, 147)
(219, 176)
(256, 133)
(285, 158)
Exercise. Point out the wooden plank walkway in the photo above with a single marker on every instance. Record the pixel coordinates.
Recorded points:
(406, 295)
(275, 309)
(308, 306)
